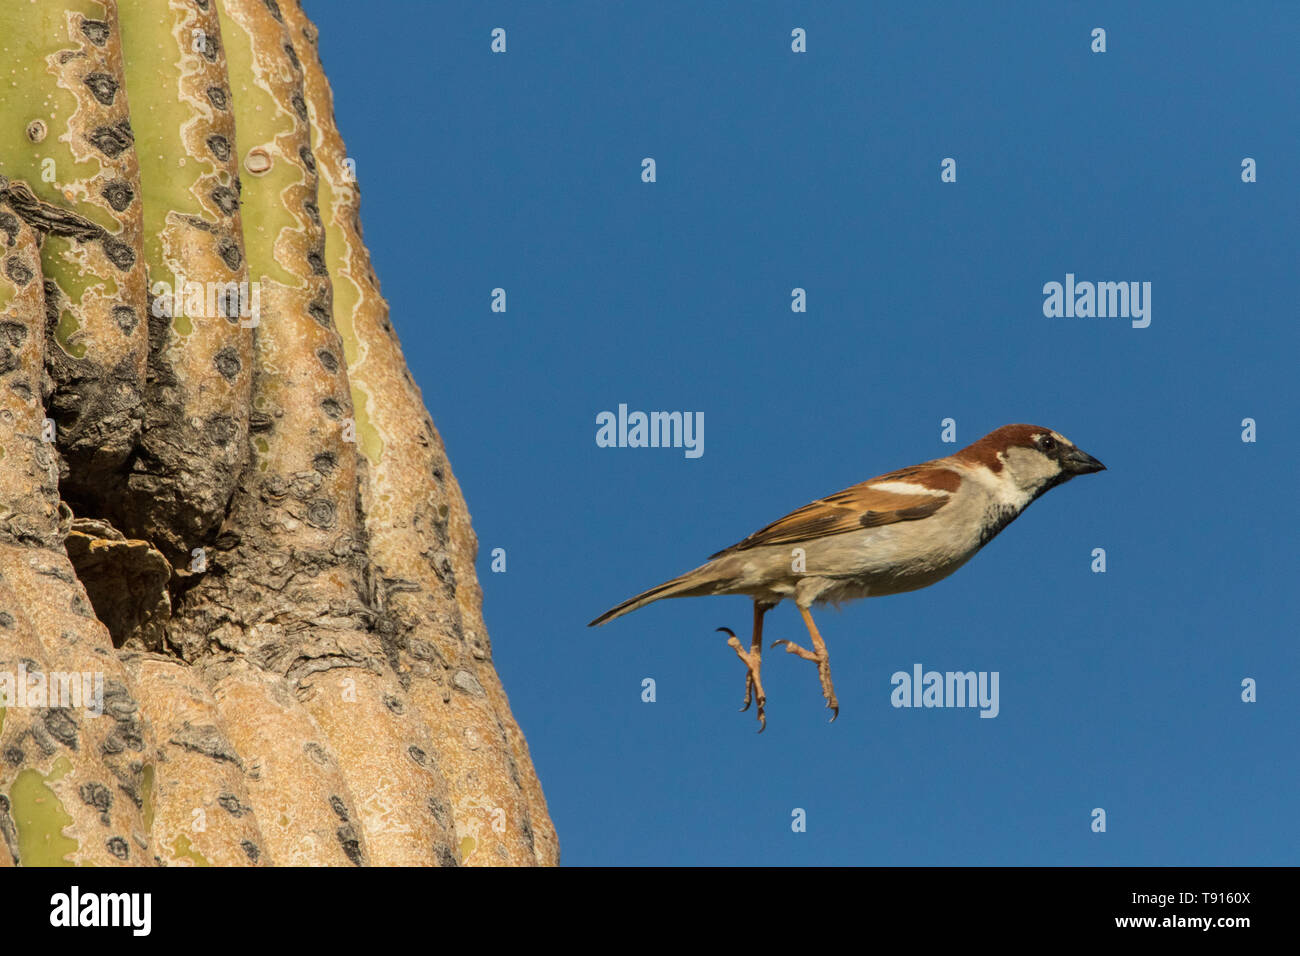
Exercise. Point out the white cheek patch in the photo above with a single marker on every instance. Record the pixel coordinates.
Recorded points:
(1001, 487)
(907, 488)
(1029, 470)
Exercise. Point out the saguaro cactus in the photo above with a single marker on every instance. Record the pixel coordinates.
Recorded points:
(239, 620)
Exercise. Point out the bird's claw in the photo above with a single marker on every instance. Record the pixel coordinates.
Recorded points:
(792, 648)
(819, 658)
(753, 688)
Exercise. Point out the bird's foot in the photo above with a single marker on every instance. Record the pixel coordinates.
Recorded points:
(753, 659)
(823, 662)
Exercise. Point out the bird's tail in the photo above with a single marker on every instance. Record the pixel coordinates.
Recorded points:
(690, 584)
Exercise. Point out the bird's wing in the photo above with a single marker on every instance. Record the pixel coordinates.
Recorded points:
(905, 495)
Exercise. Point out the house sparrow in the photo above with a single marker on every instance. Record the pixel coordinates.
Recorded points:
(898, 532)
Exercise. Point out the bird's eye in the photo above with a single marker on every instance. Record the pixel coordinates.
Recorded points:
(1047, 443)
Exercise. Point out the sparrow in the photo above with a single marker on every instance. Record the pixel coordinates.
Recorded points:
(898, 532)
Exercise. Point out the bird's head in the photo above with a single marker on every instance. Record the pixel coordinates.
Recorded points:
(1031, 458)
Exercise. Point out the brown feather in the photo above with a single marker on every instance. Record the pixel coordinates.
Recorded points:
(858, 507)
(985, 451)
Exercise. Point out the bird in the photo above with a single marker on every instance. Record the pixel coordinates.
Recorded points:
(897, 532)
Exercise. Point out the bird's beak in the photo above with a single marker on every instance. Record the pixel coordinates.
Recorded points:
(1078, 462)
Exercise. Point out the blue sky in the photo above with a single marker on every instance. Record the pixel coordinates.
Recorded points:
(821, 171)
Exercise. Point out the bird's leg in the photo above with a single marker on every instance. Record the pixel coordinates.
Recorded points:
(819, 656)
(753, 659)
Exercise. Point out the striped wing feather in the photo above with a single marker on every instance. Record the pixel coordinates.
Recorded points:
(861, 506)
